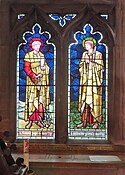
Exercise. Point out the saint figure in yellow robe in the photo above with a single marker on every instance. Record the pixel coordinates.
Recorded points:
(37, 84)
(91, 70)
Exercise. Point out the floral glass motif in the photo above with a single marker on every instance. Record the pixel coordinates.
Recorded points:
(62, 20)
(36, 86)
(88, 86)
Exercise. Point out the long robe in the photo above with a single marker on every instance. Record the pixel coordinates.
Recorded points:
(37, 92)
(91, 78)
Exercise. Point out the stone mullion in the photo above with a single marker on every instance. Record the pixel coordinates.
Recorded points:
(61, 93)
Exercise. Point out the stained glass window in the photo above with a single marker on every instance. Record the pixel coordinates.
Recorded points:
(36, 85)
(88, 86)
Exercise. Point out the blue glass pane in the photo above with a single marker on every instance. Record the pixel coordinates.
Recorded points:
(105, 16)
(20, 16)
(55, 16)
(69, 16)
(62, 22)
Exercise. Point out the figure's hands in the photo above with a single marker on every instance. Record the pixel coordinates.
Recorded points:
(39, 76)
(87, 59)
(43, 67)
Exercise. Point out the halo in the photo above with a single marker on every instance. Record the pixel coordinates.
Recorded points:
(36, 39)
(88, 39)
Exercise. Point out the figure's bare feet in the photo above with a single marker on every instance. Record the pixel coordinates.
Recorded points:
(83, 124)
(95, 126)
(28, 126)
(41, 124)
(80, 125)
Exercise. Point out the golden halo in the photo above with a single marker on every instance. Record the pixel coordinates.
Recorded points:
(88, 39)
